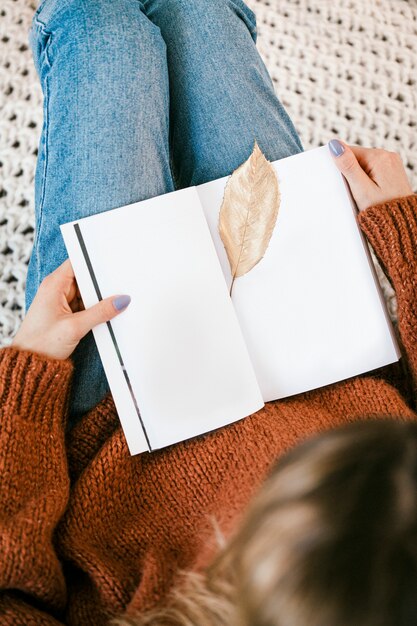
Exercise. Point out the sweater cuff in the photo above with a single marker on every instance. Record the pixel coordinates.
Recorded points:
(34, 386)
(391, 228)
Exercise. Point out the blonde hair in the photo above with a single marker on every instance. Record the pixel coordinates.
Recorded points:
(330, 540)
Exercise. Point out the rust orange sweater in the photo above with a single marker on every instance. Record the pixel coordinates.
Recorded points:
(87, 531)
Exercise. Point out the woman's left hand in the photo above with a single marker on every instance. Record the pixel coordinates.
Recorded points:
(56, 320)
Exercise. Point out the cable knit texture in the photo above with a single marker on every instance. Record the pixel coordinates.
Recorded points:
(88, 532)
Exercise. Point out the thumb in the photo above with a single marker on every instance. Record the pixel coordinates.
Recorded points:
(101, 312)
(359, 182)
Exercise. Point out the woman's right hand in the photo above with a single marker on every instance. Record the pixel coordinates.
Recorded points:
(57, 320)
(373, 175)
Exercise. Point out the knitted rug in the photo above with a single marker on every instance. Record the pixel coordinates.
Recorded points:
(343, 69)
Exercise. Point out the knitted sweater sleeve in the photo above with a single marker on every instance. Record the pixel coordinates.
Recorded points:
(34, 485)
(391, 229)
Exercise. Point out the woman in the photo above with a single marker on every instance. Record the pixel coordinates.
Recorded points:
(88, 531)
(330, 540)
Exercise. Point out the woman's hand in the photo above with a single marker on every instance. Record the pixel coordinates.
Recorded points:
(56, 320)
(374, 175)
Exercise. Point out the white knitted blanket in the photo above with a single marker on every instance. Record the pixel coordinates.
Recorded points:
(346, 69)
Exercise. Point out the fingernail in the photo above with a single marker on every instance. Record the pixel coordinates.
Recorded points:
(121, 302)
(336, 147)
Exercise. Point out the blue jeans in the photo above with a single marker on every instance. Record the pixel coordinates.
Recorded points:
(141, 97)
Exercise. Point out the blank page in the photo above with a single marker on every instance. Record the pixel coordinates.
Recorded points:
(311, 310)
(187, 368)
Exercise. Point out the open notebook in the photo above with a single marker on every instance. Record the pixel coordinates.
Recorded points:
(184, 359)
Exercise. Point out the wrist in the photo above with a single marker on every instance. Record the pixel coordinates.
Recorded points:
(30, 344)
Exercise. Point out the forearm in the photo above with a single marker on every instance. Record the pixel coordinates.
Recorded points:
(391, 229)
(34, 477)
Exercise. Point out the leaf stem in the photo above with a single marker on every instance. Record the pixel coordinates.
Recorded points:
(231, 286)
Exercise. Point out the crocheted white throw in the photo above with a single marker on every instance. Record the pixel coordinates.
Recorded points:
(343, 69)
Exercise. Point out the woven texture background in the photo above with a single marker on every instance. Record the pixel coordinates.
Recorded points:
(345, 68)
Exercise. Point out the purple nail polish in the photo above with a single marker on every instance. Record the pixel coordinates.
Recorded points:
(336, 147)
(121, 302)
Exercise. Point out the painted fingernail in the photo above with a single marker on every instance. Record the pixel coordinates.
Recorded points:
(336, 147)
(121, 302)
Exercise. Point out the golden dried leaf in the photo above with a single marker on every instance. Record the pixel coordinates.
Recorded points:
(249, 212)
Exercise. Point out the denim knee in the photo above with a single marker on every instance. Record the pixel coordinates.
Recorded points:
(204, 6)
(51, 12)
(78, 20)
(90, 33)
(200, 11)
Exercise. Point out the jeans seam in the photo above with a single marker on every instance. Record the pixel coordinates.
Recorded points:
(42, 28)
(251, 16)
(38, 10)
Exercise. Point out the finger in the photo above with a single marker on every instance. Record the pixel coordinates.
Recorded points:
(70, 289)
(367, 158)
(346, 161)
(363, 153)
(64, 280)
(103, 311)
(65, 269)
